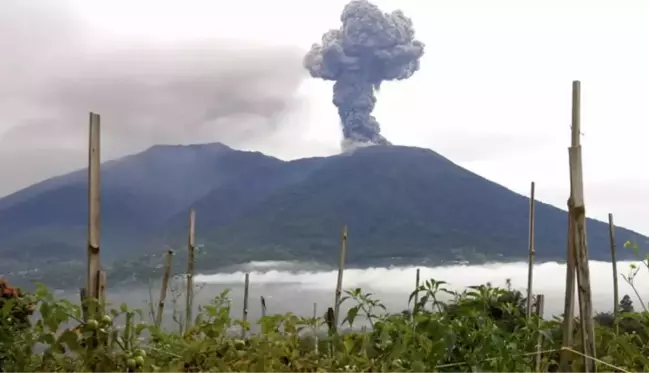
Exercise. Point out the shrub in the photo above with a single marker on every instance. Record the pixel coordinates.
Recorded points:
(482, 329)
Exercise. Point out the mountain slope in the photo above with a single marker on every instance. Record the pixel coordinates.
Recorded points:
(401, 204)
(140, 193)
(405, 203)
(232, 199)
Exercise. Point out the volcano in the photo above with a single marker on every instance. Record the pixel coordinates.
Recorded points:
(401, 204)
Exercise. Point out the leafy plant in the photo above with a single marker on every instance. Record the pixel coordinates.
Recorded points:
(483, 328)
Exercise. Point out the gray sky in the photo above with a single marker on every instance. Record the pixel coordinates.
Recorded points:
(493, 93)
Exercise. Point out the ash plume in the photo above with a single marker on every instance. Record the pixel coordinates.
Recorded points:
(148, 90)
(369, 48)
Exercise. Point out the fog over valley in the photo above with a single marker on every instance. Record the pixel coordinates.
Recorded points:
(295, 287)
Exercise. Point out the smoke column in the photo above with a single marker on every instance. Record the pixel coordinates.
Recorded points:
(369, 48)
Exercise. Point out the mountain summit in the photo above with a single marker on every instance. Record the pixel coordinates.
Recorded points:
(401, 204)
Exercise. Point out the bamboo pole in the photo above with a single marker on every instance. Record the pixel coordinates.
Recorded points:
(571, 271)
(417, 279)
(616, 295)
(540, 304)
(94, 199)
(339, 283)
(246, 287)
(163, 288)
(569, 305)
(531, 253)
(580, 241)
(190, 270)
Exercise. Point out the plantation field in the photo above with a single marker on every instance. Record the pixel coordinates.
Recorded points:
(482, 329)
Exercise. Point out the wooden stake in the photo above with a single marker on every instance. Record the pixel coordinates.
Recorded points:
(571, 271)
(190, 270)
(540, 304)
(83, 296)
(94, 165)
(101, 290)
(339, 283)
(531, 253)
(246, 286)
(163, 288)
(416, 294)
(569, 305)
(616, 295)
(580, 241)
(315, 327)
(263, 306)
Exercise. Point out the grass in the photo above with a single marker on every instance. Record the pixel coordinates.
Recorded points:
(483, 328)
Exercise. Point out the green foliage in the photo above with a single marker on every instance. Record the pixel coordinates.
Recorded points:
(482, 329)
(15, 309)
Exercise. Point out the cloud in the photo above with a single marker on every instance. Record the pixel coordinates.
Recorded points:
(297, 289)
(168, 94)
(146, 92)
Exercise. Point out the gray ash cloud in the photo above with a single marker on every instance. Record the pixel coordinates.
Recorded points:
(370, 48)
(147, 91)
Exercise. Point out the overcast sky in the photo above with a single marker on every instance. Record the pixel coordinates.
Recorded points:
(493, 92)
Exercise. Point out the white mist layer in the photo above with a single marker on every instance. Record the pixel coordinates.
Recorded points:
(289, 282)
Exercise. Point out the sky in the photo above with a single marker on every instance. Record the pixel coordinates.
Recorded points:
(493, 93)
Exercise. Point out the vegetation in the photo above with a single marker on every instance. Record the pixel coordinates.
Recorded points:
(16, 309)
(400, 203)
(483, 328)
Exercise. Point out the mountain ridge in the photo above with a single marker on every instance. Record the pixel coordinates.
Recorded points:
(399, 202)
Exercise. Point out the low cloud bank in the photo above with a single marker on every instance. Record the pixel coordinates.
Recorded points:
(283, 284)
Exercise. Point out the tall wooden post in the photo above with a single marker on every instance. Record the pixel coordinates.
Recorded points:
(94, 165)
(580, 242)
(531, 252)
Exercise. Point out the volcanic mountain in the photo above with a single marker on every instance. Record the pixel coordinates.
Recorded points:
(401, 204)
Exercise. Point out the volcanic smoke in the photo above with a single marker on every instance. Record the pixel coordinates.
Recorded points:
(369, 48)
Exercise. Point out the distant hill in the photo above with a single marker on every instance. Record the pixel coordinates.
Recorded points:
(401, 204)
